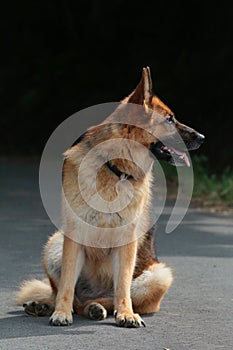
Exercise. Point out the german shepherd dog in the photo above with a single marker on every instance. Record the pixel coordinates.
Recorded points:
(122, 277)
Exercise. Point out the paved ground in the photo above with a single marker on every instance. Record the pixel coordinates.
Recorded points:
(196, 314)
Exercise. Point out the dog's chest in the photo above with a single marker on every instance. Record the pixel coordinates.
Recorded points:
(98, 266)
(97, 254)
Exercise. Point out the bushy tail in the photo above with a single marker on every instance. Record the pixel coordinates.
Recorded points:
(148, 289)
(35, 290)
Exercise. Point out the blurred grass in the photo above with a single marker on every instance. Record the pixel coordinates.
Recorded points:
(209, 187)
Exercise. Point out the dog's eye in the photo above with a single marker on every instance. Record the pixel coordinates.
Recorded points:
(170, 119)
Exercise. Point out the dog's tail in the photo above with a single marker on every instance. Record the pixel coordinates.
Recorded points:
(148, 289)
(35, 290)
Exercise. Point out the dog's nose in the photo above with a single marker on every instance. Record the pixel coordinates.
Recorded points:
(200, 138)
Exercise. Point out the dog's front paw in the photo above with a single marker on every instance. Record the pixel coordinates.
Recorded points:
(129, 320)
(60, 318)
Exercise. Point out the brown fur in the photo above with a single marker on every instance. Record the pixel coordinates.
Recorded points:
(94, 280)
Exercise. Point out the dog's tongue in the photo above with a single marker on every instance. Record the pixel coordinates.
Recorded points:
(182, 155)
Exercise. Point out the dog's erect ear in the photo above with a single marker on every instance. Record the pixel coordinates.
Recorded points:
(147, 84)
(143, 91)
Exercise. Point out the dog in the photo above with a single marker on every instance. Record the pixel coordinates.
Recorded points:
(115, 269)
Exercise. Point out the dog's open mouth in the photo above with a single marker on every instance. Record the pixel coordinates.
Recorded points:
(169, 154)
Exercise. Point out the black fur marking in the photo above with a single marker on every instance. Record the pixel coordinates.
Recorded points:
(63, 170)
(79, 139)
(74, 144)
(146, 253)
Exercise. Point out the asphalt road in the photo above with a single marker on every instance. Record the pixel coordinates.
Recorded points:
(196, 314)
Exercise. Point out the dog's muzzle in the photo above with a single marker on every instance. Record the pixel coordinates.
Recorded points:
(177, 156)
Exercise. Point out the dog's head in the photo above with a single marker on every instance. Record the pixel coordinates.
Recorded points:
(172, 138)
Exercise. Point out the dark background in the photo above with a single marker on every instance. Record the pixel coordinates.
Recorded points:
(58, 57)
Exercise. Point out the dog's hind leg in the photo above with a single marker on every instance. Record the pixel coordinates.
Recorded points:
(37, 297)
(34, 308)
(96, 309)
(148, 289)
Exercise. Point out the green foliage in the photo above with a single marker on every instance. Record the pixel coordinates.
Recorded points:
(216, 187)
(208, 185)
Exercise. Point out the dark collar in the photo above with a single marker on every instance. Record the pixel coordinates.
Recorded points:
(117, 172)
